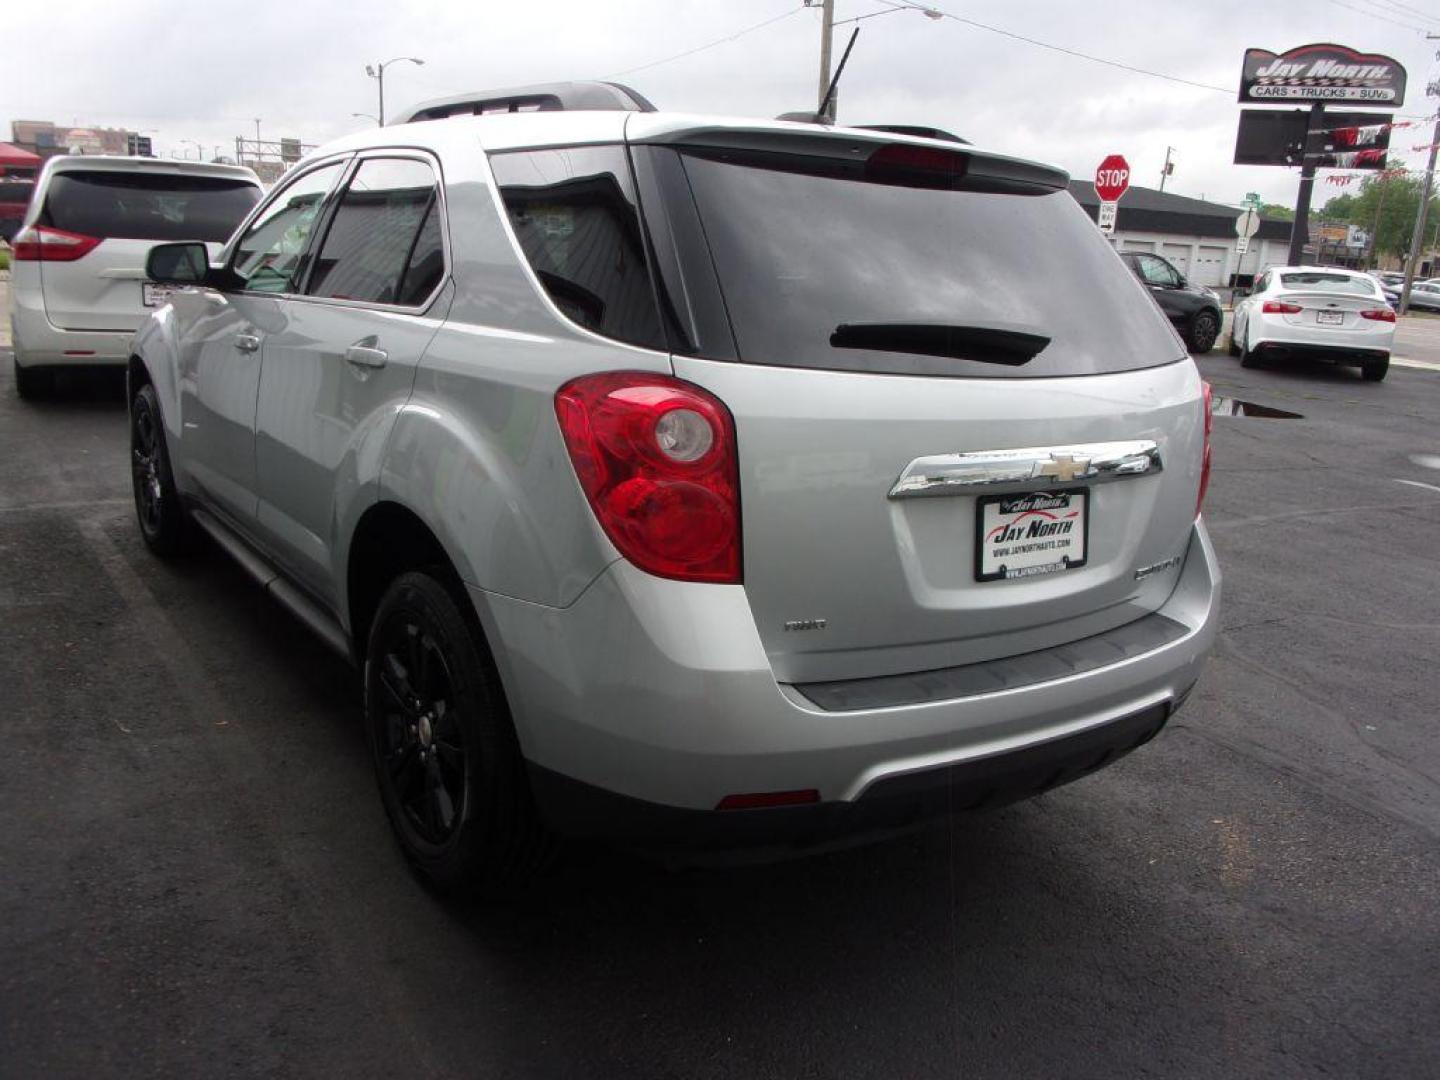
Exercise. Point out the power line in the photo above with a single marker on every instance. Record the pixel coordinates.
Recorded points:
(1407, 9)
(1376, 15)
(1071, 52)
(711, 45)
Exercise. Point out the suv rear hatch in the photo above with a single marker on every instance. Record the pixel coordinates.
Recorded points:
(128, 211)
(902, 330)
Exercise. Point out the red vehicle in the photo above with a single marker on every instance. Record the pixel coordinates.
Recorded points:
(18, 169)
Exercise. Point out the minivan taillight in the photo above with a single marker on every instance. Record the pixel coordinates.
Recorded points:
(40, 243)
(657, 461)
(1205, 454)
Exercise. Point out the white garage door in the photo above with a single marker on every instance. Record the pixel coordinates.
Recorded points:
(1209, 268)
(1137, 245)
(1179, 256)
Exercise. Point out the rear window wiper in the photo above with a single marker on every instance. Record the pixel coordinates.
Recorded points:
(982, 344)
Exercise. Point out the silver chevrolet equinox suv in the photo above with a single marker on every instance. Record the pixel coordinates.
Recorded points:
(703, 484)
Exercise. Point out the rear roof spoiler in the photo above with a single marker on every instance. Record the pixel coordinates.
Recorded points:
(541, 97)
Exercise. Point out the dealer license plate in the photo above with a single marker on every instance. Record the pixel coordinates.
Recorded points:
(1029, 534)
(1329, 318)
(153, 295)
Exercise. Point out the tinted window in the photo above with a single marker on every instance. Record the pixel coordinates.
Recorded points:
(574, 213)
(268, 258)
(147, 206)
(1336, 283)
(370, 249)
(802, 254)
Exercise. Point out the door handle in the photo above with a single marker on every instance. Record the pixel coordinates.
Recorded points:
(247, 342)
(366, 356)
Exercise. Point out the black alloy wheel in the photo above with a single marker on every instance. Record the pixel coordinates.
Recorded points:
(163, 520)
(1204, 329)
(445, 752)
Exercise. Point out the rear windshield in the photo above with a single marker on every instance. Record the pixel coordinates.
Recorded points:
(147, 206)
(1336, 283)
(827, 271)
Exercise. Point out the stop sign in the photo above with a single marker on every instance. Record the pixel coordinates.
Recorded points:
(1112, 178)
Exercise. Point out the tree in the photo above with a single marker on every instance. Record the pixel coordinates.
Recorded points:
(1276, 212)
(1385, 206)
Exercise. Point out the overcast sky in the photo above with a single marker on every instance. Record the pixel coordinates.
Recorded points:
(202, 71)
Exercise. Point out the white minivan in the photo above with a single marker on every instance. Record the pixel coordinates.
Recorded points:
(77, 280)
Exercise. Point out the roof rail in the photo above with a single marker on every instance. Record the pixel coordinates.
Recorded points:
(542, 97)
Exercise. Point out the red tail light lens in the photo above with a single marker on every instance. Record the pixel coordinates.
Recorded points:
(42, 244)
(1205, 454)
(1280, 307)
(656, 459)
(1382, 315)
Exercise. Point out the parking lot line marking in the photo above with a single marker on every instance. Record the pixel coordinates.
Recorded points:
(1423, 365)
(80, 504)
(1417, 483)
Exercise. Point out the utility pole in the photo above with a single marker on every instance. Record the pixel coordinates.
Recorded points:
(1168, 169)
(827, 29)
(1300, 226)
(1431, 91)
(377, 72)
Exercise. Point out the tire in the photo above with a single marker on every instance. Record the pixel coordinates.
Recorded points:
(1203, 333)
(445, 753)
(1249, 358)
(164, 521)
(32, 383)
(1375, 370)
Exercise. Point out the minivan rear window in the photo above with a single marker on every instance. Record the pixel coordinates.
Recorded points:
(822, 269)
(147, 206)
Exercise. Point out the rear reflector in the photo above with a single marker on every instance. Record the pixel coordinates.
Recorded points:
(1383, 315)
(761, 799)
(1280, 307)
(1206, 405)
(40, 243)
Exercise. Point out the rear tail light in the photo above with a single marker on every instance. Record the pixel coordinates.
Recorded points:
(1205, 454)
(656, 459)
(39, 243)
(1280, 307)
(1383, 315)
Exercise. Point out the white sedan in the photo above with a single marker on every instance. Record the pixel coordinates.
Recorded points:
(1315, 311)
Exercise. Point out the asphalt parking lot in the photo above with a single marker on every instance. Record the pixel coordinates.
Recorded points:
(196, 877)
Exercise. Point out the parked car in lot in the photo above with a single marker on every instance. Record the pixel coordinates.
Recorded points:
(691, 481)
(1194, 309)
(1425, 296)
(77, 276)
(1324, 313)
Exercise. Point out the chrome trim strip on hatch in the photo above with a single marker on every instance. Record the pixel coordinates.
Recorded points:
(981, 470)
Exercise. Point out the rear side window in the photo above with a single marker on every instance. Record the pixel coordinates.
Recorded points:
(574, 213)
(822, 268)
(147, 206)
(383, 244)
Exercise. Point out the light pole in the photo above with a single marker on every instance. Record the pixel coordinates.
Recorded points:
(199, 150)
(377, 72)
(828, 23)
(366, 116)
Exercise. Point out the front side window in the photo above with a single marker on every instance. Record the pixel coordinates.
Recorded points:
(384, 244)
(268, 258)
(574, 213)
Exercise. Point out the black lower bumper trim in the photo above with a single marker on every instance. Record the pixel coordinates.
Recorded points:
(578, 809)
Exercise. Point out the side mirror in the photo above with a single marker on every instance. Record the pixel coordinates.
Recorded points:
(178, 264)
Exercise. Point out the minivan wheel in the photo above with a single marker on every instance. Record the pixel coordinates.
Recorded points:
(445, 753)
(1204, 329)
(32, 382)
(164, 523)
(1375, 370)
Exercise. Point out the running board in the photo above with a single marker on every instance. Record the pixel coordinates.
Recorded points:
(320, 622)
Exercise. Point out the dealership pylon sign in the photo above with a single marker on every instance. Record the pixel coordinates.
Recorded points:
(1321, 73)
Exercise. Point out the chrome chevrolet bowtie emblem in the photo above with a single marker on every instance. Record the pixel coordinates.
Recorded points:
(1062, 467)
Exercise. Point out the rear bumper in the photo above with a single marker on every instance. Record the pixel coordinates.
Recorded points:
(39, 343)
(1370, 343)
(660, 693)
